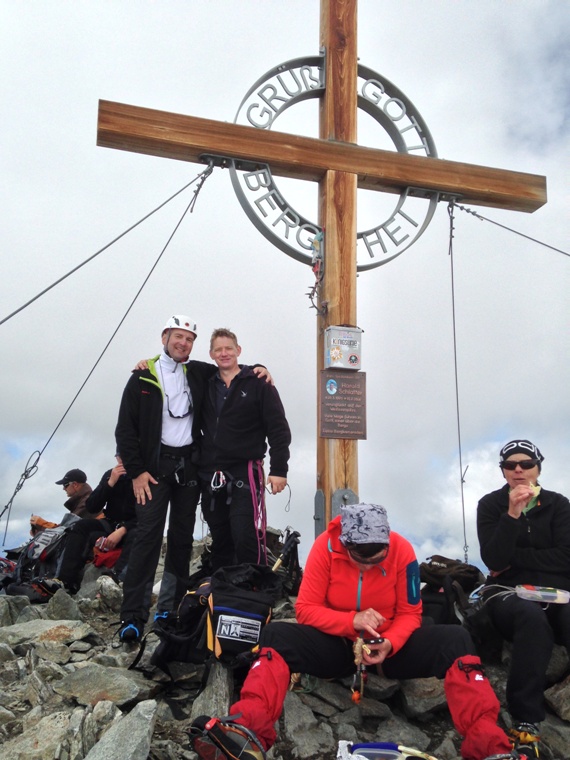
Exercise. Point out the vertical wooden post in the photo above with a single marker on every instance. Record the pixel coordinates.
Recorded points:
(337, 459)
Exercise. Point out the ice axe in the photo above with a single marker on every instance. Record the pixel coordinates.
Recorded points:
(290, 541)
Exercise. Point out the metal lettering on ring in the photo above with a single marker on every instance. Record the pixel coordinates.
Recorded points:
(302, 79)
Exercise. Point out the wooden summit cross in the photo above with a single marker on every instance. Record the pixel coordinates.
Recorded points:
(340, 166)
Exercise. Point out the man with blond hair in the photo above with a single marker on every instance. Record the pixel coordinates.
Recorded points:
(240, 417)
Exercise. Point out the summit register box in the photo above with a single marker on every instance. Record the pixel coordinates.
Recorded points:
(342, 388)
(343, 347)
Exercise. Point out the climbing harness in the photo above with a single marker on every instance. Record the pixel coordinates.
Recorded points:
(255, 484)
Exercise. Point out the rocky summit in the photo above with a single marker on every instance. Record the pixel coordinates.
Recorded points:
(66, 693)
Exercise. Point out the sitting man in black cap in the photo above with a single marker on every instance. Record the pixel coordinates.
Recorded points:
(109, 519)
(77, 489)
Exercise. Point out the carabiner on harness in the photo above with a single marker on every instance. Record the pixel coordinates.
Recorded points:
(218, 480)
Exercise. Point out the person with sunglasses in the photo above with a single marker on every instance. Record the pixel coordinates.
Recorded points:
(157, 432)
(109, 521)
(358, 606)
(524, 535)
(77, 491)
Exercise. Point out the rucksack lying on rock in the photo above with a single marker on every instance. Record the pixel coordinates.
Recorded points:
(220, 619)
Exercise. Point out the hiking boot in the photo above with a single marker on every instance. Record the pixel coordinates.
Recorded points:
(525, 738)
(131, 631)
(219, 739)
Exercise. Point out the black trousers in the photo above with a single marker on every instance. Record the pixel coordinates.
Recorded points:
(79, 540)
(235, 538)
(126, 545)
(533, 631)
(429, 651)
(145, 551)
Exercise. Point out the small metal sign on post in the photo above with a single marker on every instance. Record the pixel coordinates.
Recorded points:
(342, 388)
(343, 347)
(342, 404)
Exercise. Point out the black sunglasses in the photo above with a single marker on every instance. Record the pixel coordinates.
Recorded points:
(376, 559)
(526, 464)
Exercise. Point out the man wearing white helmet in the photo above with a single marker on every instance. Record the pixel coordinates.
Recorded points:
(157, 431)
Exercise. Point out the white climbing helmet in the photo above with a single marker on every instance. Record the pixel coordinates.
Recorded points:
(182, 322)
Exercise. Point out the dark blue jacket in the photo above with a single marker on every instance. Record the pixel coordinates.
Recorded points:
(251, 415)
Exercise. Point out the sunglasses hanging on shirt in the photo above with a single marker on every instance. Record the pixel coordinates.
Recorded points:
(180, 416)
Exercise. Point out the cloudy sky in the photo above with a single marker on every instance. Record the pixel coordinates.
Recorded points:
(490, 78)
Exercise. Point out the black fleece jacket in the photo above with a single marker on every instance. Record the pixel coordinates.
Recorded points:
(139, 427)
(534, 549)
(116, 502)
(252, 413)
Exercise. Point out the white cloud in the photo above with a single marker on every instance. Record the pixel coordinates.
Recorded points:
(488, 78)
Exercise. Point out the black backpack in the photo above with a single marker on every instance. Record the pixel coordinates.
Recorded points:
(445, 599)
(436, 568)
(447, 585)
(440, 604)
(183, 634)
(39, 557)
(239, 606)
(221, 619)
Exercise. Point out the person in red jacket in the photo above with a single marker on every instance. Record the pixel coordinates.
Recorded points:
(361, 581)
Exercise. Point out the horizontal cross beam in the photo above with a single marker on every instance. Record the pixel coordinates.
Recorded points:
(188, 138)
